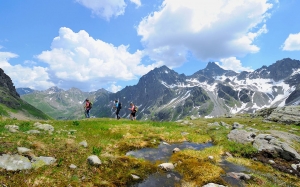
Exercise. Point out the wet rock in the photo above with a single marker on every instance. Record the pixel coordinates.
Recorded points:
(240, 176)
(14, 162)
(166, 166)
(94, 160)
(175, 150)
(213, 185)
(272, 145)
(72, 166)
(83, 143)
(241, 136)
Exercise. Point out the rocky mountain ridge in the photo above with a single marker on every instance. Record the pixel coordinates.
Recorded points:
(163, 94)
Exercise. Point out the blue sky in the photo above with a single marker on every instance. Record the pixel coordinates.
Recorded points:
(93, 44)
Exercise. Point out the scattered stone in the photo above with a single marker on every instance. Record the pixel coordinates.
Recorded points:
(135, 177)
(175, 150)
(224, 125)
(12, 128)
(241, 176)
(236, 125)
(215, 124)
(72, 166)
(94, 160)
(14, 162)
(228, 154)
(210, 157)
(213, 185)
(166, 166)
(271, 162)
(241, 136)
(165, 143)
(22, 150)
(45, 127)
(41, 161)
(184, 133)
(83, 143)
(33, 132)
(295, 166)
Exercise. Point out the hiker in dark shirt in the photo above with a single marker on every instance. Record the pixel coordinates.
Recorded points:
(118, 107)
(133, 111)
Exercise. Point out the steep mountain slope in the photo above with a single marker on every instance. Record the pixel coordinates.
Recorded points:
(61, 104)
(11, 105)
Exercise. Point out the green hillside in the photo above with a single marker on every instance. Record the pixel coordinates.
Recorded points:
(111, 139)
(15, 106)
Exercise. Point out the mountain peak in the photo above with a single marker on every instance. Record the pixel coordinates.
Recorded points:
(213, 65)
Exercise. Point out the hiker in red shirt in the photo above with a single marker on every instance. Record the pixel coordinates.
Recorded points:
(87, 108)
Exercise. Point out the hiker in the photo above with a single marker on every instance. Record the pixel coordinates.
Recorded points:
(118, 107)
(133, 111)
(87, 108)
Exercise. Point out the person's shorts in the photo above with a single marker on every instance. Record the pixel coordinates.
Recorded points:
(133, 114)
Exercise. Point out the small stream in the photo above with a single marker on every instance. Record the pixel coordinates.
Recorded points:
(168, 179)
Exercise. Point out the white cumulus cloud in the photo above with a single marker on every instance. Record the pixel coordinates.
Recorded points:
(292, 43)
(79, 59)
(232, 63)
(211, 29)
(105, 8)
(114, 88)
(33, 77)
(137, 2)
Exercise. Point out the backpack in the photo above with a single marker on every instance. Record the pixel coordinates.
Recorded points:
(91, 105)
(135, 108)
(120, 105)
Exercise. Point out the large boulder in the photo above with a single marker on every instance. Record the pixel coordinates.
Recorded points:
(287, 114)
(14, 162)
(271, 144)
(241, 136)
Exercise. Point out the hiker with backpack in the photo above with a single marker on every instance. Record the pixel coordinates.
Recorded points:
(87, 107)
(133, 110)
(118, 106)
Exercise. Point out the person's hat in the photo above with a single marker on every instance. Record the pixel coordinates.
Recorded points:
(87, 99)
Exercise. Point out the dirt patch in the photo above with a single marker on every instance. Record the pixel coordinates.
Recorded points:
(280, 164)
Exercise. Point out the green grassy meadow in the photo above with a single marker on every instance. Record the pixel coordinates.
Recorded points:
(110, 139)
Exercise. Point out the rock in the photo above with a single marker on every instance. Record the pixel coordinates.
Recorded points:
(224, 125)
(271, 162)
(228, 154)
(72, 166)
(45, 127)
(175, 150)
(14, 162)
(241, 176)
(33, 132)
(83, 143)
(287, 114)
(135, 177)
(215, 124)
(22, 150)
(210, 157)
(241, 136)
(12, 128)
(236, 125)
(94, 160)
(165, 143)
(166, 166)
(41, 161)
(272, 145)
(213, 185)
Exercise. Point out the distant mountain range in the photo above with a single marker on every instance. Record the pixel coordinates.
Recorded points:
(163, 94)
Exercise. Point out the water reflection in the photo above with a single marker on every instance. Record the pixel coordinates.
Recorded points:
(164, 151)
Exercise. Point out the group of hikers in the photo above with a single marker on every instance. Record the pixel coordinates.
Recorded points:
(117, 106)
